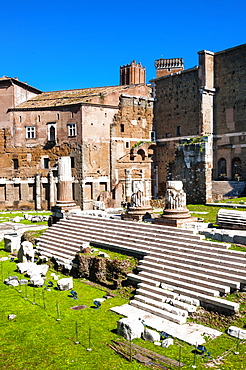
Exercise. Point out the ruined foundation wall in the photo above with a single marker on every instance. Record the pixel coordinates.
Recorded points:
(192, 166)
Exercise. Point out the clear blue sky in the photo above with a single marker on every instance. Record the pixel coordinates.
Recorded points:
(54, 45)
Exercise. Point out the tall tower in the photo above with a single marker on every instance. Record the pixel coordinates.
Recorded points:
(132, 74)
(165, 67)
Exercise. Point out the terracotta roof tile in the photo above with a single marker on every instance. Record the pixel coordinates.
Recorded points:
(69, 97)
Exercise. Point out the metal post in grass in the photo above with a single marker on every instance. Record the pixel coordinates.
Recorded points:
(58, 312)
(180, 350)
(130, 348)
(34, 296)
(25, 292)
(237, 346)
(89, 340)
(194, 360)
(20, 289)
(44, 300)
(1, 269)
(76, 333)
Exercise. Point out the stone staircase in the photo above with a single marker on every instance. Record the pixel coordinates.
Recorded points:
(177, 270)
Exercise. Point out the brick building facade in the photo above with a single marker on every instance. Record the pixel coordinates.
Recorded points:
(198, 136)
(200, 123)
(96, 127)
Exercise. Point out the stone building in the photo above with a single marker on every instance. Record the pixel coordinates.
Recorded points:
(200, 124)
(103, 130)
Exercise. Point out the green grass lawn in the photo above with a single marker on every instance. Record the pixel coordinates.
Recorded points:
(7, 216)
(36, 340)
(209, 213)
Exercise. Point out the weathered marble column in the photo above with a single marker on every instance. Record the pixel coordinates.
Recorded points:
(128, 185)
(38, 191)
(65, 202)
(65, 181)
(52, 188)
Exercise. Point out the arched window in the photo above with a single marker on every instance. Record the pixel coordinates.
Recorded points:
(142, 153)
(236, 169)
(52, 133)
(222, 168)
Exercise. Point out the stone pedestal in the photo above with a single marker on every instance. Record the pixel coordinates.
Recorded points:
(175, 218)
(137, 214)
(175, 212)
(12, 241)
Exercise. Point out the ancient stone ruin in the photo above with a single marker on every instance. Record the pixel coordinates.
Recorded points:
(175, 213)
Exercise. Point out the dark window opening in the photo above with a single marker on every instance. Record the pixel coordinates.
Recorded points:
(222, 168)
(152, 135)
(46, 163)
(52, 133)
(72, 162)
(15, 163)
(122, 127)
(237, 169)
(141, 152)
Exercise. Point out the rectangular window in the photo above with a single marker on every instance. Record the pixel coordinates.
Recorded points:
(178, 130)
(127, 144)
(46, 163)
(72, 162)
(15, 164)
(30, 132)
(152, 135)
(71, 129)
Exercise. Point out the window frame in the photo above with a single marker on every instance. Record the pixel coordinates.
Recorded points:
(72, 129)
(30, 132)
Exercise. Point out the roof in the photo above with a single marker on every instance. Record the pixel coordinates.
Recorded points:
(94, 95)
(16, 81)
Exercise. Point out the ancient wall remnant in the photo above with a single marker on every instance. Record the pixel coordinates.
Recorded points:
(203, 101)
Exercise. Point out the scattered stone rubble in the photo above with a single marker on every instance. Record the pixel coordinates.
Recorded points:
(237, 332)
